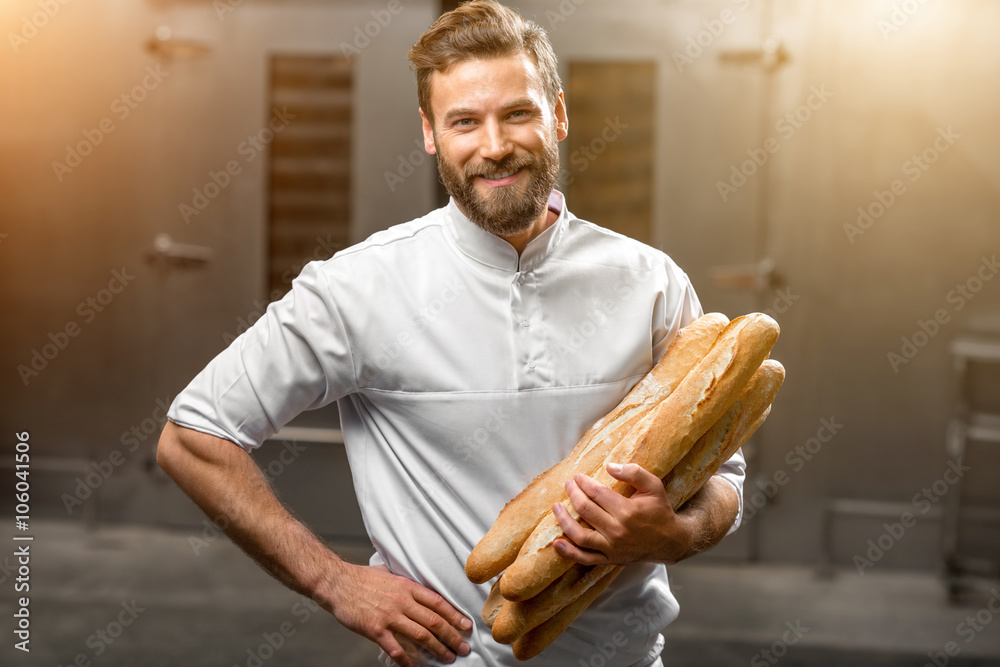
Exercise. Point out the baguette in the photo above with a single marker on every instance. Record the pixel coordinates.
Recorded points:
(536, 640)
(704, 459)
(516, 618)
(657, 442)
(714, 448)
(726, 436)
(493, 604)
(499, 547)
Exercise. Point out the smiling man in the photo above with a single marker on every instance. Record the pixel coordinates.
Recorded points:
(468, 350)
(496, 141)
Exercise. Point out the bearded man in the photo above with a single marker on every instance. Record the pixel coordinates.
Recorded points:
(468, 350)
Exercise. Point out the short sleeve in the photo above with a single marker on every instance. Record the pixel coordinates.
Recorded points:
(677, 307)
(296, 357)
(734, 472)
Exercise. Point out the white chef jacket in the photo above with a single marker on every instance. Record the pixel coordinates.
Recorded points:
(461, 371)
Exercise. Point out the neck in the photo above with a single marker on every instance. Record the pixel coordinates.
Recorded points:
(522, 239)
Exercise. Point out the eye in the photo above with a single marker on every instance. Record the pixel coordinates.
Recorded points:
(464, 122)
(520, 113)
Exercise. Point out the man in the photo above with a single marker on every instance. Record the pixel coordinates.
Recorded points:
(468, 350)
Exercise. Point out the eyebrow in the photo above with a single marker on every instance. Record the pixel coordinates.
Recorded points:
(520, 102)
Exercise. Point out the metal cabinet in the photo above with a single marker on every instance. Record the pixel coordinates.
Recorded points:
(970, 424)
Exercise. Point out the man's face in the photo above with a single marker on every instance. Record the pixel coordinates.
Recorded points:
(495, 137)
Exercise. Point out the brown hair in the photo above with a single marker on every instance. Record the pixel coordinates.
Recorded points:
(480, 29)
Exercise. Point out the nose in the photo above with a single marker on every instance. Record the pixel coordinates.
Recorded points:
(496, 143)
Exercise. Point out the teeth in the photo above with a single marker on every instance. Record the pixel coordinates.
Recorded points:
(505, 174)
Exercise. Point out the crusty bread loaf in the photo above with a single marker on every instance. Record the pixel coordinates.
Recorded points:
(714, 448)
(500, 545)
(657, 442)
(493, 603)
(517, 618)
(727, 435)
(704, 459)
(534, 641)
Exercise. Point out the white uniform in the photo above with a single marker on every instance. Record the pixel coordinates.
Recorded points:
(461, 371)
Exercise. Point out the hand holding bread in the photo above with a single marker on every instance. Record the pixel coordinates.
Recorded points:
(500, 545)
(706, 395)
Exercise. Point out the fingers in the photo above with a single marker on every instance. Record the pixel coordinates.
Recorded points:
(423, 637)
(388, 643)
(634, 474)
(401, 616)
(584, 537)
(438, 616)
(587, 546)
(611, 527)
(598, 507)
(585, 556)
(436, 601)
(595, 503)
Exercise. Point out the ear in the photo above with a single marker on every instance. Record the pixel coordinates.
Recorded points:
(428, 133)
(562, 120)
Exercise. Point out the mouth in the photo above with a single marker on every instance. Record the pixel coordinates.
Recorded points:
(501, 177)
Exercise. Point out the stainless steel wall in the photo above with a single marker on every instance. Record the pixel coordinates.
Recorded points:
(889, 107)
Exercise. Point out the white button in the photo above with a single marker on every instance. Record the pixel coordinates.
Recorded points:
(531, 366)
(525, 323)
(520, 280)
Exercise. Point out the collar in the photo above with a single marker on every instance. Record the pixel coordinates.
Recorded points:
(493, 251)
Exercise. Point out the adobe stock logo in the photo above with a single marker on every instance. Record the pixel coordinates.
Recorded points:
(249, 149)
(958, 297)
(122, 108)
(922, 503)
(363, 35)
(969, 628)
(900, 16)
(566, 9)
(790, 123)
(223, 7)
(777, 650)
(407, 166)
(756, 500)
(712, 29)
(584, 155)
(59, 340)
(914, 168)
(38, 20)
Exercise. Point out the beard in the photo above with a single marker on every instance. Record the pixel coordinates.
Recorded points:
(509, 209)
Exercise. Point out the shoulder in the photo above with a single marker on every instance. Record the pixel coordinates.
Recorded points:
(392, 249)
(399, 238)
(588, 242)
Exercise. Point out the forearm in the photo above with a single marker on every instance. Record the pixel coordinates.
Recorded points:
(228, 486)
(222, 479)
(707, 517)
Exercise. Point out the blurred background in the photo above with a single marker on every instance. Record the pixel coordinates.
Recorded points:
(168, 166)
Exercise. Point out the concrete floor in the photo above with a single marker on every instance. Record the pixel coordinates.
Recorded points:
(213, 607)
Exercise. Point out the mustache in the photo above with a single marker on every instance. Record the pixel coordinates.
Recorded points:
(509, 163)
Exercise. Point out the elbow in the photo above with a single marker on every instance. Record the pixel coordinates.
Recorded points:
(182, 452)
(169, 447)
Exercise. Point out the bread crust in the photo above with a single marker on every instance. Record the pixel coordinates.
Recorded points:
(726, 436)
(536, 640)
(494, 601)
(657, 442)
(516, 618)
(517, 621)
(500, 546)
